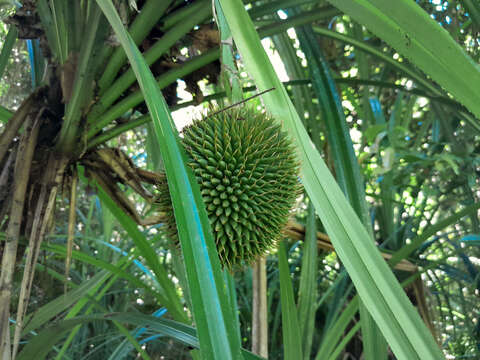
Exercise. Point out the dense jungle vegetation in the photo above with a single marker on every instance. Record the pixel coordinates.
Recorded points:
(349, 230)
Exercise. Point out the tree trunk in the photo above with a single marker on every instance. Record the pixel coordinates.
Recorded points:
(21, 179)
(259, 312)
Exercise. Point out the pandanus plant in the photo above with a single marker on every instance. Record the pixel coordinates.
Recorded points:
(74, 109)
(94, 86)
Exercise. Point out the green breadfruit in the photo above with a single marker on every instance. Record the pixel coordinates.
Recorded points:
(247, 170)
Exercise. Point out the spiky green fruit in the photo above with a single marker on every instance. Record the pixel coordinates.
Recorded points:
(247, 171)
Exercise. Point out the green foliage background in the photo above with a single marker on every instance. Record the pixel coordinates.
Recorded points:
(385, 96)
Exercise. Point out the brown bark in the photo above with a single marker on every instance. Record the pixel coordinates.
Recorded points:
(44, 211)
(16, 122)
(71, 227)
(21, 177)
(422, 306)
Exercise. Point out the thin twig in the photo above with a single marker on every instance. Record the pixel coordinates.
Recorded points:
(241, 102)
(71, 227)
(259, 308)
(297, 231)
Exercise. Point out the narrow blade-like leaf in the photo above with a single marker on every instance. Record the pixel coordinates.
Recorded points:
(375, 282)
(292, 343)
(211, 307)
(412, 32)
(7, 48)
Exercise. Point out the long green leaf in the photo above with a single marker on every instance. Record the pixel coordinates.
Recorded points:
(114, 269)
(61, 32)
(97, 123)
(161, 47)
(41, 345)
(347, 170)
(5, 114)
(148, 253)
(117, 130)
(211, 307)
(405, 251)
(341, 346)
(412, 32)
(230, 76)
(413, 74)
(141, 26)
(337, 330)
(364, 73)
(80, 305)
(137, 97)
(335, 333)
(473, 8)
(307, 293)
(375, 282)
(82, 87)
(374, 345)
(56, 306)
(271, 7)
(292, 343)
(7, 48)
